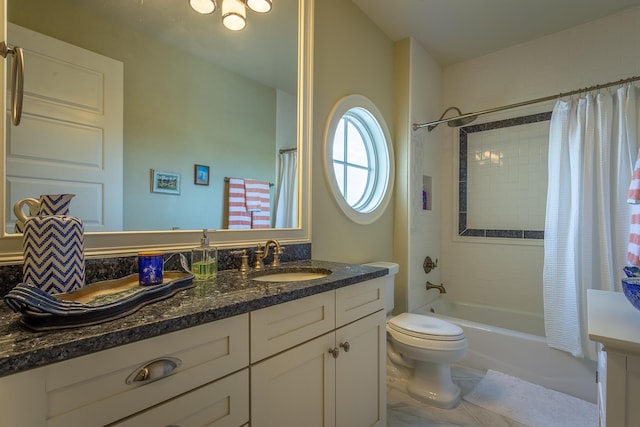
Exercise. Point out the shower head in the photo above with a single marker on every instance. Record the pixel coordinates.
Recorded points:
(461, 121)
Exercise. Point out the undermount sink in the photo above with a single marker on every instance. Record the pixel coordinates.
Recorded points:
(297, 275)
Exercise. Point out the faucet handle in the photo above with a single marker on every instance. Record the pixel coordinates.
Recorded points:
(276, 256)
(244, 260)
(259, 264)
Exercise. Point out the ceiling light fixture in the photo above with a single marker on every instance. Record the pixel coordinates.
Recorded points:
(234, 14)
(204, 7)
(260, 6)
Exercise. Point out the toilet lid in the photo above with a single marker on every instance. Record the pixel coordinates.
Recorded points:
(428, 327)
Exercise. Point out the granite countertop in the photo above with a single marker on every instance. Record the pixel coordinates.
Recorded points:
(228, 295)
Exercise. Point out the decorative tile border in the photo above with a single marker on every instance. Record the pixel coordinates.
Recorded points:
(463, 181)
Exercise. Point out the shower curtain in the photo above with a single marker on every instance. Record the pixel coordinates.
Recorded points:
(286, 213)
(593, 144)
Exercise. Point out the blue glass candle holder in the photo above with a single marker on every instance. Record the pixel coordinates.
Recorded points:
(150, 268)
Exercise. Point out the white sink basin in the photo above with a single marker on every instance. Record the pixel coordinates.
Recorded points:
(292, 276)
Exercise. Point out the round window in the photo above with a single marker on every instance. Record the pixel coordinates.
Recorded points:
(358, 159)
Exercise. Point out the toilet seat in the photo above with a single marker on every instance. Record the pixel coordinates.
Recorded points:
(426, 327)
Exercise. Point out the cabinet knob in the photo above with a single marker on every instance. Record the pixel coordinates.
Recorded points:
(334, 352)
(154, 370)
(346, 346)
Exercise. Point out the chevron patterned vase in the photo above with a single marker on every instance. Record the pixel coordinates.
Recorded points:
(53, 247)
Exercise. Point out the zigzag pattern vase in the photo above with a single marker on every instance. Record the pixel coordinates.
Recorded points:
(53, 247)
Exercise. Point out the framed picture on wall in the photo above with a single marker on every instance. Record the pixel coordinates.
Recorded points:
(201, 175)
(165, 182)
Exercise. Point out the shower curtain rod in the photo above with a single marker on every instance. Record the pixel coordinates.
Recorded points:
(533, 101)
(286, 150)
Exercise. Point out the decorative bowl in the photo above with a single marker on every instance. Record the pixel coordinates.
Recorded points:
(632, 271)
(631, 289)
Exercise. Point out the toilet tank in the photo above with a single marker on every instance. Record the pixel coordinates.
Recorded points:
(393, 270)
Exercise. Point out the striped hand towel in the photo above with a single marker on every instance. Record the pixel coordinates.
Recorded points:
(261, 198)
(252, 194)
(633, 250)
(238, 215)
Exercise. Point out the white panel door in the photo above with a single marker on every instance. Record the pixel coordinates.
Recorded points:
(296, 387)
(70, 138)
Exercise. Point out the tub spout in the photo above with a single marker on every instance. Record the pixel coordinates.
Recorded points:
(440, 287)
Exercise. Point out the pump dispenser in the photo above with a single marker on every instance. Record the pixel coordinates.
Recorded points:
(204, 259)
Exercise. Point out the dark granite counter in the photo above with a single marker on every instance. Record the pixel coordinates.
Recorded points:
(228, 295)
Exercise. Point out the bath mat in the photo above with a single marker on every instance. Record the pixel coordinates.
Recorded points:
(531, 404)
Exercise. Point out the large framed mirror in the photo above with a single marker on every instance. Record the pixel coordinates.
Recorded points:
(190, 95)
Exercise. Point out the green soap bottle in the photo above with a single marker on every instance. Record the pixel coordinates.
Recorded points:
(204, 259)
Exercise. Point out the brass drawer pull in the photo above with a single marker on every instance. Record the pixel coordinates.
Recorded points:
(334, 352)
(346, 346)
(154, 370)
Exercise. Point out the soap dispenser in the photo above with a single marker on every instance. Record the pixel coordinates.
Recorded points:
(204, 259)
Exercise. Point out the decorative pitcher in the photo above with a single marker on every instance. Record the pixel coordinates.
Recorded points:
(34, 208)
(53, 245)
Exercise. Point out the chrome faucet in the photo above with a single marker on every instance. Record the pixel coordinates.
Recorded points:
(440, 287)
(277, 251)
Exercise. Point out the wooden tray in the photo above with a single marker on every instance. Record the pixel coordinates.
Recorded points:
(95, 303)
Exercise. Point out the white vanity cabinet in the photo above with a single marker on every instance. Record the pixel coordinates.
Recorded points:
(615, 324)
(203, 372)
(314, 361)
(320, 361)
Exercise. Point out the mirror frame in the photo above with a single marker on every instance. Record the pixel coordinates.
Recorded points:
(127, 243)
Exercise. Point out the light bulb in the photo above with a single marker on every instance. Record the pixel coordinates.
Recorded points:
(260, 6)
(234, 14)
(204, 7)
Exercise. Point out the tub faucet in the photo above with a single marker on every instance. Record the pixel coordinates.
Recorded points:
(277, 251)
(440, 287)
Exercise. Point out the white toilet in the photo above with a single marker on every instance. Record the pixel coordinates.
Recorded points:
(427, 346)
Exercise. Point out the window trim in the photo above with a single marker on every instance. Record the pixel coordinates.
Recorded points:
(382, 190)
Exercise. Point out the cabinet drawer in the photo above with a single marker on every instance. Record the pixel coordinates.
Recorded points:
(282, 326)
(93, 389)
(223, 403)
(357, 301)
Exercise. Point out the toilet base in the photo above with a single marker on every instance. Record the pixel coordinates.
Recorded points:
(431, 384)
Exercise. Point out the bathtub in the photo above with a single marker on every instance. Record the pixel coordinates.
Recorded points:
(513, 342)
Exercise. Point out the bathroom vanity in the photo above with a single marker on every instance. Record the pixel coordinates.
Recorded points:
(230, 352)
(613, 324)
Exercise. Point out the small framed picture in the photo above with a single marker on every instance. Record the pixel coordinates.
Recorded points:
(201, 175)
(165, 182)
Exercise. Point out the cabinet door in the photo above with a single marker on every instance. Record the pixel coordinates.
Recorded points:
(295, 388)
(360, 373)
(223, 403)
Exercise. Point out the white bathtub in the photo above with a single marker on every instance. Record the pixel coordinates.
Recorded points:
(513, 342)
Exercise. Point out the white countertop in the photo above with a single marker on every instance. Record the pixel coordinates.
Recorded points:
(613, 321)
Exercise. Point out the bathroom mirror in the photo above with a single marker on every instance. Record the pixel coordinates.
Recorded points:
(161, 120)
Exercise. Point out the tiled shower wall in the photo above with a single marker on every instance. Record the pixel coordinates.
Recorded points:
(502, 178)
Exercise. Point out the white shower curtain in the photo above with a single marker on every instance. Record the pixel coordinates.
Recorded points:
(286, 213)
(592, 149)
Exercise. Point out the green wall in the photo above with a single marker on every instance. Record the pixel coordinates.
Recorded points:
(172, 100)
(351, 56)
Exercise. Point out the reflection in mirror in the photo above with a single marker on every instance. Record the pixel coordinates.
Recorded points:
(119, 91)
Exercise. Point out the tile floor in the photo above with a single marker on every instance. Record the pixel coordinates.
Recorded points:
(404, 411)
